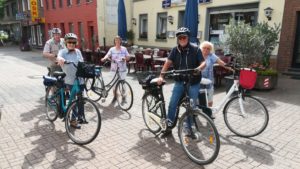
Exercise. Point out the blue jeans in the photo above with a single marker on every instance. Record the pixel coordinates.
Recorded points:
(177, 92)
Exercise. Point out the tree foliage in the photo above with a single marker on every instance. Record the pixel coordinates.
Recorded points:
(251, 44)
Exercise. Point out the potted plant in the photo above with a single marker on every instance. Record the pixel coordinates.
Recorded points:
(253, 46)
(130, 37)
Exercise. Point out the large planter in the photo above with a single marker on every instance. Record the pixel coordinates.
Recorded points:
(266, 82)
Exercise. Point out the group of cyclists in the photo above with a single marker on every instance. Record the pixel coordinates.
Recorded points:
(185, 55)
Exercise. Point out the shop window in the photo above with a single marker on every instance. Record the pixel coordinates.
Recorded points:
(33, 37)
(39, 35)
(143, 26)
(14, 9)
(7, 11)
(161, 28)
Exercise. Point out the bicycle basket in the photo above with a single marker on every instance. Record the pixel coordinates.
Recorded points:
(145, 78)
(85, 70)
(49, 81)
(247, 78)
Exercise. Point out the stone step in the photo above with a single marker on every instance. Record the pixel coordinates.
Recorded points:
(292, 74)
(294, 70)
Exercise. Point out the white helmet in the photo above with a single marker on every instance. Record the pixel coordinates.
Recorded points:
(70, 36)
(56, 30)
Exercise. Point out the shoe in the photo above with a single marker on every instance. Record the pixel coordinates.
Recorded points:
(114, 100)
(123, 100)
(82, 121)
(167, 132)
(74, 124)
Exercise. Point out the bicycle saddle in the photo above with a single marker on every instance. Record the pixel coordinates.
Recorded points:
(59, 74)
(205, 81)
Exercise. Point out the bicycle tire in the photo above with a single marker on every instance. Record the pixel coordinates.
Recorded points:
(89, 126)
(51, 106)
(202, 145)
(149, 102)
(248, 126)
(122, 95)
(98, 86)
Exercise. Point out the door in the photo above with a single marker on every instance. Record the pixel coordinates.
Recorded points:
(296, 55)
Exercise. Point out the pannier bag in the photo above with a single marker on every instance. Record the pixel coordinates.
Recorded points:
(247, 78)
(49, 81)
(85, 70)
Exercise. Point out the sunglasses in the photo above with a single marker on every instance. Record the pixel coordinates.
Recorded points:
(182, 38)
(74, 43)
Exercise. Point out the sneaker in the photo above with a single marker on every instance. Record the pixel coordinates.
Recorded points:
(82, 121)
(74, 124)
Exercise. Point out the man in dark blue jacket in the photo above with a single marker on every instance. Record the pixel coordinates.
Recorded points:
(184, 56)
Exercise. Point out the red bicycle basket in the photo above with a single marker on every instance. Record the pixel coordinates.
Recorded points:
(247, 78)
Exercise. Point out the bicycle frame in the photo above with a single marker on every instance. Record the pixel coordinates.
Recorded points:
(75, 89)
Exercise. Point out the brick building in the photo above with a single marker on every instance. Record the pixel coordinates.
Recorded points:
(76, 16)
(289, 46)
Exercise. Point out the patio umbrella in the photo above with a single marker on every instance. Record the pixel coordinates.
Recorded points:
(191, 19)
(122, 25)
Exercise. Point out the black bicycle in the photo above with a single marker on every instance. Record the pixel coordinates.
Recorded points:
(202, 144)
(97, 89)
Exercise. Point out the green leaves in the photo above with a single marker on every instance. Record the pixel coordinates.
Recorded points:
(251, 44)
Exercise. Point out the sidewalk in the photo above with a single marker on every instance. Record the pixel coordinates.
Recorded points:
(28, 140)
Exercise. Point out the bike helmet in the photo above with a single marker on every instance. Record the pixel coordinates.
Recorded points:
(183, 31)
(69, 36)
(56, 30)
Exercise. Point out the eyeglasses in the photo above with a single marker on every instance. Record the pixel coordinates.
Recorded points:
(74, 43)
(208, 48)
(182, 38)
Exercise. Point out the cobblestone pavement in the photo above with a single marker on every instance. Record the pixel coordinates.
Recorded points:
(28, 140)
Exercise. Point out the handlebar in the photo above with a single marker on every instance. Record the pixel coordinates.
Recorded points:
(180, 72)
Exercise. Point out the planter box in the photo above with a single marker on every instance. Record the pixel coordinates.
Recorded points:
(266, 82)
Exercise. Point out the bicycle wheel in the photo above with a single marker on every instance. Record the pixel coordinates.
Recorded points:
(124, 95)
(98, 86)
(51, 104)
(149, 109)
(199, 138)
(252, 123)
(83, 124)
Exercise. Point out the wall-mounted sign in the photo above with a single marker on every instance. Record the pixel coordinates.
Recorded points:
(204, 1)
(21, 16)
(34, 9)
(166, 3)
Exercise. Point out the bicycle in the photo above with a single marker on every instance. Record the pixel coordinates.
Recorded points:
(244, 115)
(202, 145)
(82, 117)
(97, 89)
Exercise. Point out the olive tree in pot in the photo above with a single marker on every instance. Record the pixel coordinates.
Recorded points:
(253, 46)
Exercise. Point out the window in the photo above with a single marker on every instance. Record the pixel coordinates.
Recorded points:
(89, 0)
(7, 10)
(60, 3)
(144, 26)
(77, 2)
(69, 2)
(47, 4)
(14, 9)
(53, 4)
(28, 4)
(23, 5)
(41, 3)
(81, 35)
(39, 35)
(181, 19)
(71, 27)
(62, 27)
(33, 39)
(161, 28)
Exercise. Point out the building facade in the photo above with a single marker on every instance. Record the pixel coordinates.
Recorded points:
(76, 16)
(289, 46)
(31, 16)
(9, 23)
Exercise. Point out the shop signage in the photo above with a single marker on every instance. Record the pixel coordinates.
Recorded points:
(34, 10)
(166, 3)
(21, 16)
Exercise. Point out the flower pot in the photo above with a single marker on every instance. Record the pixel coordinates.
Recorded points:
(264, 82)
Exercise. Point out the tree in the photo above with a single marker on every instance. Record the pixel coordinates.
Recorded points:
(2, 8)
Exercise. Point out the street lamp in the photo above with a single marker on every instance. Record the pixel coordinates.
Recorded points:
(268, 13)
